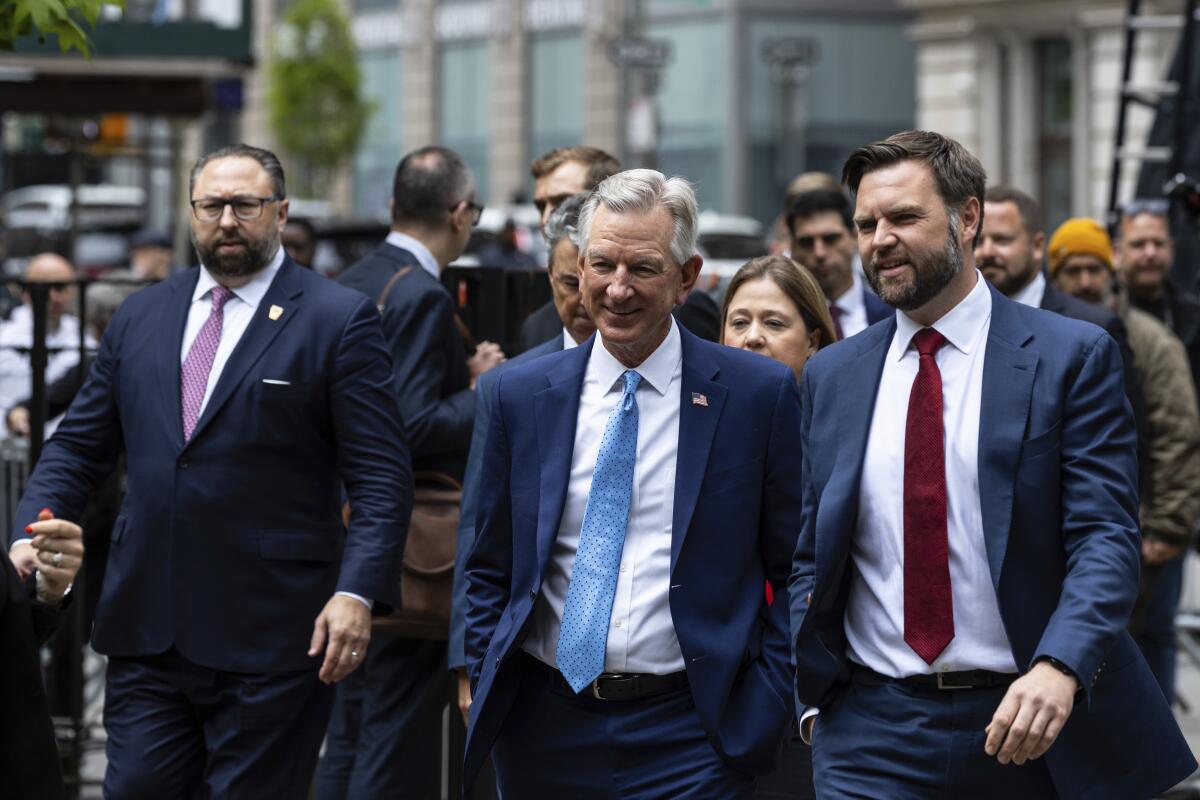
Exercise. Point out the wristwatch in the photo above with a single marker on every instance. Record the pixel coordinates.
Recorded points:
(1061, 667)
(43, 597)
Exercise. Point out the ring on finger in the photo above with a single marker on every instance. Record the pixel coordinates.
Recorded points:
(56, 559)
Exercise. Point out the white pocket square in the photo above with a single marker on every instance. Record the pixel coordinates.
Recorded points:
(274, 382)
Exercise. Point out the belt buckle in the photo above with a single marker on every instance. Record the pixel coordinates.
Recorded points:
(596, 690)
(941, 683)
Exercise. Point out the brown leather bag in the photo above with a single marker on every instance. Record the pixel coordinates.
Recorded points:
(427, 571)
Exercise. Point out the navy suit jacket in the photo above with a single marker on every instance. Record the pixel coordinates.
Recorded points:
(486, 389)
(429, 358)
(1057, 486)
(877, 310)
(736, 515)
(228, 545)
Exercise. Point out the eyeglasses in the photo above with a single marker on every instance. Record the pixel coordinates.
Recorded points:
(476, 209)
(247, 209)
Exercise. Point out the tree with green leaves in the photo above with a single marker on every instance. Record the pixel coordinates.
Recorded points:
(314, 97)
(42, 18)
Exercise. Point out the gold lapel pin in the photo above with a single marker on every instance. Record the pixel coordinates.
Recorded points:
(275, 313)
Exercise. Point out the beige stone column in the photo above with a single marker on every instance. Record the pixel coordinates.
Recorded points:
(509, 155)
(420, 76)
(603, 114)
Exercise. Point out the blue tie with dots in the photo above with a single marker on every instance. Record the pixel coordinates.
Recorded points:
(583, 639)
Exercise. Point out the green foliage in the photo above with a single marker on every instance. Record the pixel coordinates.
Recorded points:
(314, 97)
(43, 18)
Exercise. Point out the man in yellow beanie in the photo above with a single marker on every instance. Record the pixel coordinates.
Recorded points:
(1081, 264)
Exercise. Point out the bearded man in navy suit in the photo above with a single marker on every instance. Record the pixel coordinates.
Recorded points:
(244, 396)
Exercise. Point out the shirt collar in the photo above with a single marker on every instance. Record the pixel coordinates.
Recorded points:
(851, 300)
(568, 341)
(1032, 294)
(251, 293)
(657, 370)
(420, 251)
(961, 326)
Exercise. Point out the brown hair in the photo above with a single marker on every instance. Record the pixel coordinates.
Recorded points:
(957, 174)
(599, 163)
(1028, 208)
(796, 282)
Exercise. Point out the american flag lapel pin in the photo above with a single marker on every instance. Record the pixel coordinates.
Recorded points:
(699, 399)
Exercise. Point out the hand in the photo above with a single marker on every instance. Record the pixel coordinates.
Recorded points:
(1155, 552)
(346, 623)
(487, 355)
(464, 694)
(18, 421)
(24, 558)
(50, 537)
(1031, 715)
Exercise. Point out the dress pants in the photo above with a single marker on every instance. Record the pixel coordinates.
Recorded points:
(180, 730)
(793, 778)
(555, 744)
(1154, 616)
(384, 741)
(883, 740)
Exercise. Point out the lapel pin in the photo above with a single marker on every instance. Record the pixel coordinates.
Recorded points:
(275, 313)
(699, 399)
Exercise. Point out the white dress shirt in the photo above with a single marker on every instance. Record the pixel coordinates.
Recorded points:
(1032, 294)
(16, 338)
(641, 634)
(853, 308)
(419, 250)
(875, 608)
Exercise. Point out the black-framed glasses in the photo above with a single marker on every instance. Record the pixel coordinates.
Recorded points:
(247, 209)
(476, 209)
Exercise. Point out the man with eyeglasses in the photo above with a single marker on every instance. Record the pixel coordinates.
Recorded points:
(243, 395)
(62, 330)
(384, 740)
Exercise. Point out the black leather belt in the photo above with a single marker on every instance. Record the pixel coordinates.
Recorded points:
(617, 686)
(963, 679)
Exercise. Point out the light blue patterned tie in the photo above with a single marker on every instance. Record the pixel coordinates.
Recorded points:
(583, 639)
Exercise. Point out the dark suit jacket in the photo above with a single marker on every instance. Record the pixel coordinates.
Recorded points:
(486, 390)
(28, 753)
(738, 458)
(429, 358)
(699, 314)
(877, 310)
(229, 545)
(1063, 303)
(1057, 465)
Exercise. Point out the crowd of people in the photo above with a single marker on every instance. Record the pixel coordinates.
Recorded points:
(901, 512)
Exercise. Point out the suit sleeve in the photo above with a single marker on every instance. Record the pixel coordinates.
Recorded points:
(84, 449)
(781, 527)
(466, 520)
(1099, 517)
(424, 339)
(489, 565)
(373, 459)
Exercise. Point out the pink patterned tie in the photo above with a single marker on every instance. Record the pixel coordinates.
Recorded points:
(193, 379)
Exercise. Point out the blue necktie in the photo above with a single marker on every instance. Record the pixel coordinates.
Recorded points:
(583, 639)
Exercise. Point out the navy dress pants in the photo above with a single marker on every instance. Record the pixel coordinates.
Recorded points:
(180, 730)
(555, 744)
(883, 740)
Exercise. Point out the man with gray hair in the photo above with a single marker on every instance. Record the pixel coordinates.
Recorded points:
(636, 494)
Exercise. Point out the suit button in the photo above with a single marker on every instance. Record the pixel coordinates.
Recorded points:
(183, 463)
(497, 661)
(533, 595)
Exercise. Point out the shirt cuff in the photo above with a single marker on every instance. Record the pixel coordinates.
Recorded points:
(809, 712)
(357, 597)
(26, 540)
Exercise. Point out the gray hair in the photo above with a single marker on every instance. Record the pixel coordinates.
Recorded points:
(642, 191)
(564, 221)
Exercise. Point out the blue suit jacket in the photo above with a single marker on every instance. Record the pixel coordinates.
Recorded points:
(877, 310)
(431, 379)
(736, 516)
(486, 389)
(228, 546)
(1057, 485)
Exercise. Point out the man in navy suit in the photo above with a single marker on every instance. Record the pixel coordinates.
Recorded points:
(244, 395)
(385, 737)
(969, 553)
(636, 493)
(823, 241)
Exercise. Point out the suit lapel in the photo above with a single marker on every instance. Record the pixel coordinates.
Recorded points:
(557, 408)
(1008, 373)
(697, 427)
(172, 322)
(261, 331)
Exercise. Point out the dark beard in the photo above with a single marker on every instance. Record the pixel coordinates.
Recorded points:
(931, 274)
(254, 256)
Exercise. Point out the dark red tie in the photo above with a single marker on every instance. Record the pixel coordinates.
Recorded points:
(928, 608)
(836, 313)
